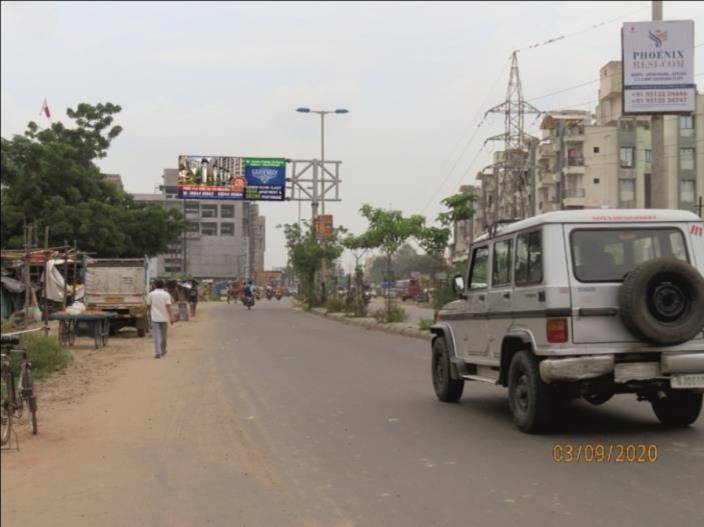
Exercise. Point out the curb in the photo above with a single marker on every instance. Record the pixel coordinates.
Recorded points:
(370, 324)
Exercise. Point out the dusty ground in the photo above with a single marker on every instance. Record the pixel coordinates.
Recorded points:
(125, 439)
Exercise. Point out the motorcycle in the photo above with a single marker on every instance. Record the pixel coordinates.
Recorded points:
(269, 294)
(278, 296)
(248, 300)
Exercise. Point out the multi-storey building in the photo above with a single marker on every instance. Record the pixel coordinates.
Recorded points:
(601, 161)
(222, 239)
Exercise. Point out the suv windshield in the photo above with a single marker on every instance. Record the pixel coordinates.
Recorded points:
(608, 255)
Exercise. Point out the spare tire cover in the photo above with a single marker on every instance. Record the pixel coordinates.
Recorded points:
(662, 301)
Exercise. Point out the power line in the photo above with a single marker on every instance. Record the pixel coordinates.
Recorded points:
(570, 35)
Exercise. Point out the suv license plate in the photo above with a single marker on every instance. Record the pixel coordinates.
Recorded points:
(695, 380)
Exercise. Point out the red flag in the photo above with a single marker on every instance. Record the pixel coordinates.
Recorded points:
(45, 110)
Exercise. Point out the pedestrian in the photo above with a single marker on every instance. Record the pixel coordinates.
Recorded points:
(193, 297)
(160, 302)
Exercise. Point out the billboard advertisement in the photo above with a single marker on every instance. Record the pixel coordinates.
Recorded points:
(658, 67)
(231, 178)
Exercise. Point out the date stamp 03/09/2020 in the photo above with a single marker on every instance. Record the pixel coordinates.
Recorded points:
(605, 453)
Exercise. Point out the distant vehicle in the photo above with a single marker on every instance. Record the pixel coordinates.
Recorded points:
(120, 286)
(407, 289)
(587, 303)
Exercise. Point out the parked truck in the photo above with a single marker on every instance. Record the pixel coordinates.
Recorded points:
(120, 286)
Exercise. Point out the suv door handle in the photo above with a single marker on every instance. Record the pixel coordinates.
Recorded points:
(507, 294)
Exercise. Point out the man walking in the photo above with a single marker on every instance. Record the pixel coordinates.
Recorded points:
(160, 302)
(193, 297)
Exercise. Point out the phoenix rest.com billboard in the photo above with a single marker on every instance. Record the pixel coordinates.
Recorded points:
(231, 178)
(658, 67)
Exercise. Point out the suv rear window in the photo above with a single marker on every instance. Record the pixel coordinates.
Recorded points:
(608, 255)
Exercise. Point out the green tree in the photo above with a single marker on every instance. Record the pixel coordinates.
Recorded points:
(306, 256)
(49, 178)
(388, 231)
(461, 208)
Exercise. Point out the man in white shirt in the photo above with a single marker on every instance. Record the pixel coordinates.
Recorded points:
(160, 302)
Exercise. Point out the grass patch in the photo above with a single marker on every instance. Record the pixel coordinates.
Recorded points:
(425, 324)
(45, 354)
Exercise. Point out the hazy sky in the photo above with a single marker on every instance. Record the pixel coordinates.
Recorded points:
(225, 79)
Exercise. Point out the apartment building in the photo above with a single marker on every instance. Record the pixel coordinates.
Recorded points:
(600, 160)
(222, 240)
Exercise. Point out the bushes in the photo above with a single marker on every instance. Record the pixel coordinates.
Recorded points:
(395, 314)
(45, 354)
(425, 324)
(335, 304)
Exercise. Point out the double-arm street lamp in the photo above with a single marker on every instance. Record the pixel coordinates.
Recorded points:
(322, 114)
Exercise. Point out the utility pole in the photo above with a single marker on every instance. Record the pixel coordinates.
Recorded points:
(659, 187)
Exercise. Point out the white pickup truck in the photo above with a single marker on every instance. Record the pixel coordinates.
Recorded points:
(120, 286)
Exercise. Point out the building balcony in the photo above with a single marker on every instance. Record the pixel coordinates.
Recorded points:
(548, 178)
(575, 166)
(546, 150)
(575, 135)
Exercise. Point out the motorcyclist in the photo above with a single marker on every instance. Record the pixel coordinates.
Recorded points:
(250, 289)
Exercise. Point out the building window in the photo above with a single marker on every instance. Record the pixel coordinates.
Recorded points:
(627, 126)
(648, 156)
(193, 226)
(596, 180)
(596, 149)
(626, 157)
(686, 158)
(687, 191)
(191, 207)
(227, 211)
(686, 122)
(227, 229)
(627, 190)
(209, 211)
(209, 228)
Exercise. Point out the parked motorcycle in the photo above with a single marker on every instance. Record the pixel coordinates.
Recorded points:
(269, 294)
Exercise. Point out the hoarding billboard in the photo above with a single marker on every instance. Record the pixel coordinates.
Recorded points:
(658, 67)
(231, 178)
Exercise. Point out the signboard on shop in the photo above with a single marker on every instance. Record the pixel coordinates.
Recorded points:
(231, 178)
(658, 67)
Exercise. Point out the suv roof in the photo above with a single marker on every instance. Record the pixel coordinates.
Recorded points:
(596, 216)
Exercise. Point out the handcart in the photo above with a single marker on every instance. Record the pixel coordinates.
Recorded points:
(94, 324)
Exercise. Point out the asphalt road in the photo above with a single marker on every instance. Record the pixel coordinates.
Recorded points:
(276, 417)
(352, 416)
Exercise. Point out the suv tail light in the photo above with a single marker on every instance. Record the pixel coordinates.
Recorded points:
(556, 329)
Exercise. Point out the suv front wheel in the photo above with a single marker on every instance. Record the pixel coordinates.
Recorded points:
(530, 399)
(447, 389)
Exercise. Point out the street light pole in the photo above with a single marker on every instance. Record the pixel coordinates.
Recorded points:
(321, 177)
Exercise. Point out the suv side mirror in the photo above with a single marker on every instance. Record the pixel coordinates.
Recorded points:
(458, 286)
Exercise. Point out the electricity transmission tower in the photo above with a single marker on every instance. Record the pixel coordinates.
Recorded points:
(512, 189)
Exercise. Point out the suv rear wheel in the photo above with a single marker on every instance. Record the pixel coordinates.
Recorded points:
(679, 409)
(530, 399)
(447, 389)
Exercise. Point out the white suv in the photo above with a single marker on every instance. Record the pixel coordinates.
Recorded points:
(584, 303)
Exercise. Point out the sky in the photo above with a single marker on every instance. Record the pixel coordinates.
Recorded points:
(225, 79)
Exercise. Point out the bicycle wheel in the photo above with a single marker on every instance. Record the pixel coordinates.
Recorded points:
(71, 333)
(29, 397)
(63, 333)
(5, 413)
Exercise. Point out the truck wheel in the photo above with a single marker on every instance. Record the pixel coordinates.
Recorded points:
(662, 301)
(447, 389)
(530, 399)
(679, 409)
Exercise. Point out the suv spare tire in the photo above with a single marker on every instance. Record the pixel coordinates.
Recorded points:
(662, 301)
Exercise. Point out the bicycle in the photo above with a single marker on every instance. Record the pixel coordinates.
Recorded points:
(15, 397)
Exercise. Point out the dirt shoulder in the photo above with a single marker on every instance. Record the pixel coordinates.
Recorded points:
(126, 439)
